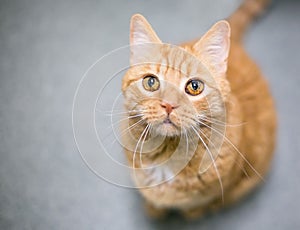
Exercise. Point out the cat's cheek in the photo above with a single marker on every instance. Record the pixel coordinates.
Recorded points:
(129, 99)
(224, 88)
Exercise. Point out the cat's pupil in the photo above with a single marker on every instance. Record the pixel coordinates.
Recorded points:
(195, 85)
(151, 81)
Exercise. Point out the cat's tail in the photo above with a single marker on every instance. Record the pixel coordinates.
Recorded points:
(244, 15)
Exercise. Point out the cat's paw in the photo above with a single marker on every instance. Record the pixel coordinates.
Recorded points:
(193, 214)
(154, 212)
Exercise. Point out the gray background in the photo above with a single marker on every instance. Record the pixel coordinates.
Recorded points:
(45, 48)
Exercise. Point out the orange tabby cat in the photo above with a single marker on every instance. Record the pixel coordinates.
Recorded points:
(201, 121)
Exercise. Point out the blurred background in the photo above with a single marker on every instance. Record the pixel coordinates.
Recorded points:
(46, 47)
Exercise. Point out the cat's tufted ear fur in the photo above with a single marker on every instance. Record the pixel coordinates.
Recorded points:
(213, 48)
(141, 32)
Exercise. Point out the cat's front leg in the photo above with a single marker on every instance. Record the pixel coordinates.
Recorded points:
(193, 214)
(155, 212)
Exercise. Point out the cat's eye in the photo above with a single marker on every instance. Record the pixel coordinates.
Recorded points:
(151, 83)
(194, 87)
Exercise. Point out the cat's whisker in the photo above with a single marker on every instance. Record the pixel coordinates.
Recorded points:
(123, 113)
(118, 114)
(242, 168)
(218, 122)
(191, 138)
(142, 145)
(238, 164)
(133, 125)
(123, 132)
(235, 148)
(120, 120)
(119, 111)
(111, 112)
(136, 148)
(186, 137)
(215, 147)
(213, 161)
(187, 143)
(128, 117)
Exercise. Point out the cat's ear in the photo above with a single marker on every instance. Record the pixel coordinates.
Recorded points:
(213, 48)
(141, 32)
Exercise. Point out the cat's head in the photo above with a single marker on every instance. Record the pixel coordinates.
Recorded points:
(170, 88)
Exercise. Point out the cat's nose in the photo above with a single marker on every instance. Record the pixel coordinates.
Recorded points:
(168, 107)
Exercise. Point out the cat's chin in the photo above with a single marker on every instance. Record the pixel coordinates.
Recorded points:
(168, 129)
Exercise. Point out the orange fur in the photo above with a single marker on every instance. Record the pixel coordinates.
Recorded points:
(237, 98)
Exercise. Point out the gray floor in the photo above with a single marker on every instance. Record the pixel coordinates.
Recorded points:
(45, 48)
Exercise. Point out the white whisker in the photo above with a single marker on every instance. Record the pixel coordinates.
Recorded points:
(234, 159)
(124, 131)
(235, 148)
(218, 122)
(128, 117)
(187, 143)
(213, 162)
(136, 147)
(141, 148)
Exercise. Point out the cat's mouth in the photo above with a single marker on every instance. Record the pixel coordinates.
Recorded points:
(168, 121)
(168, 128)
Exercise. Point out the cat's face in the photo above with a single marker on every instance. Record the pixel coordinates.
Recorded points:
(171, 88)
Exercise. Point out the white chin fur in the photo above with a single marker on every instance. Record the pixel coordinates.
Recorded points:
(167, 130)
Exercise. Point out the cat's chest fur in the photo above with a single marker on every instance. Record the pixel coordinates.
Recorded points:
(190, 187)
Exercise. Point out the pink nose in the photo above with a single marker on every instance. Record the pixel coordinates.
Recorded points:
(169, 108)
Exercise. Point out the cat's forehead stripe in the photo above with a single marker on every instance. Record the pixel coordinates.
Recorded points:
(175, 62)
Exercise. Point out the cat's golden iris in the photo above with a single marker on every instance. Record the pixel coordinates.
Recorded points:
(194, 87)
(151, 83)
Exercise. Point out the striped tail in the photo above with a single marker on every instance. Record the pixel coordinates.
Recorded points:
(244, 15)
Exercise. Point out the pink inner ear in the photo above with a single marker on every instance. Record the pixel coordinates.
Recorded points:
(213, 48)
(141, 31)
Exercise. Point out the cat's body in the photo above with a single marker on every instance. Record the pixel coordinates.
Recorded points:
(246, 151)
